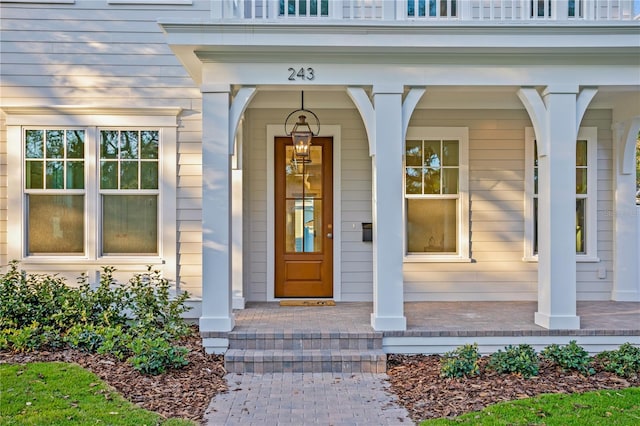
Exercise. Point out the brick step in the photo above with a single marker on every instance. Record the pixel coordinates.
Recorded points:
(304, 340)
(305, 361)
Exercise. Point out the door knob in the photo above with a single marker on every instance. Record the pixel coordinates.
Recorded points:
(330, 235)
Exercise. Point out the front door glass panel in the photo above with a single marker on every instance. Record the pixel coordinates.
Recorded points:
(304, 196)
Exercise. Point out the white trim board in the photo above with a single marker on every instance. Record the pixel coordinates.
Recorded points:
(333, 131)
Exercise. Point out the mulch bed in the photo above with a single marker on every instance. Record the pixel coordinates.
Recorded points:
(183, 393)
(416, 381)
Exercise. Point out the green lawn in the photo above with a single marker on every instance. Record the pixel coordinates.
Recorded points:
(56, 393)
(608, 407)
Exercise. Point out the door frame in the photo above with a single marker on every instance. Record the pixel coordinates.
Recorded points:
(332, 131)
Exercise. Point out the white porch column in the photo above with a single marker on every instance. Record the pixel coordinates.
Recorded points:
(556, 117)
(217, 312)
(388, 291)
(626, 279)
(557, 213)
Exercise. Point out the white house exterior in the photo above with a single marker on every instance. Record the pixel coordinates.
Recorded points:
(489, 143)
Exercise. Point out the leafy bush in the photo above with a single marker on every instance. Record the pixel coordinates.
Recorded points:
(521, 359)
(569, 357)
(30, 338)
(106, 305)
(155, 355)
(463, 362)
(152, 309)
(41, 310)
(86, 337)
(115, 342)
(27, 299)
(624, 361)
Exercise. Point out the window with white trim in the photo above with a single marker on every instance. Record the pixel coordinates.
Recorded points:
(82, 192)
(586, 195)
(436, 194)
(54, 191)
(129, 191)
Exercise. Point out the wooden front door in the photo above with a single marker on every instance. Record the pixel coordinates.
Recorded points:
(304, 220)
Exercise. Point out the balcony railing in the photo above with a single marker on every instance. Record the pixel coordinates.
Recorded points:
(427, 10)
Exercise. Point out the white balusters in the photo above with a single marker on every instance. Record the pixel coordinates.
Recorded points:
(441, 10)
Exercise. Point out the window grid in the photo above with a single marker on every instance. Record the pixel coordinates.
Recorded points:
(129, 183)
(582, 191)
(585, 190)
(435, 176)
(54, 191)
(54, 159)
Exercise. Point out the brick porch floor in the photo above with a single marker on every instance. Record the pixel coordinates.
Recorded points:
(439, 318)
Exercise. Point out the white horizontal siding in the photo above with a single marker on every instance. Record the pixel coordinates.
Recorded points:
(497, 201)
(91, 53)
(496, 186)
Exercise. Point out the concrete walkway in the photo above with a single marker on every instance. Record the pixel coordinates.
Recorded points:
(336, 399)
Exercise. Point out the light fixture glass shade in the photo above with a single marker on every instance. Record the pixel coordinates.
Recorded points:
(301, 136)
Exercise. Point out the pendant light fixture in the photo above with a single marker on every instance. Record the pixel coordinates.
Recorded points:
(301, 133)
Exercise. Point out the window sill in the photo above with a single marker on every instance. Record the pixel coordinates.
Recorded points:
(435, 259)
(103, 261)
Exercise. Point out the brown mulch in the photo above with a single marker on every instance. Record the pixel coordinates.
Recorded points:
(416, 380)
(183, 393)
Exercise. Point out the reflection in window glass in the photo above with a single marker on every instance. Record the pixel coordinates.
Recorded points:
(432, 225)
(304, 201)
(53, 185)
(55, 224)
(129, 159)
(47, 159)
(431, 193)
(582, 164)
(129, 224)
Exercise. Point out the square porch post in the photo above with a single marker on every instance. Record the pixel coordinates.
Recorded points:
(388, 291)
(216, 211)
(557, 212)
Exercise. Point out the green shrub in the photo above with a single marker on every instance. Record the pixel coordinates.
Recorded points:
(138, 319)
(462, 362)
(624, 361)
(30, 338)
(521, 359)
(85, 337)
(151, 306)
(569, 357)
(106, 305)
(115, 342)
(29, 298)
(155, 355)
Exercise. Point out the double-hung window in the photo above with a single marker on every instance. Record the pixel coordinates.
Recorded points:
(54, 191)
(436, 194)
(586, 195)
(86, 192)
(129, 191)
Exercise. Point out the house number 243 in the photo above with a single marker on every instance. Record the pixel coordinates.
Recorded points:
(301, 74)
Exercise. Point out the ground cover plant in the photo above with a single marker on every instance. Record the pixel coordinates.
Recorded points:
(619, 407)
(66, 394)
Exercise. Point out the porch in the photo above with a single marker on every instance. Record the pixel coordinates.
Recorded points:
(437, 327)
